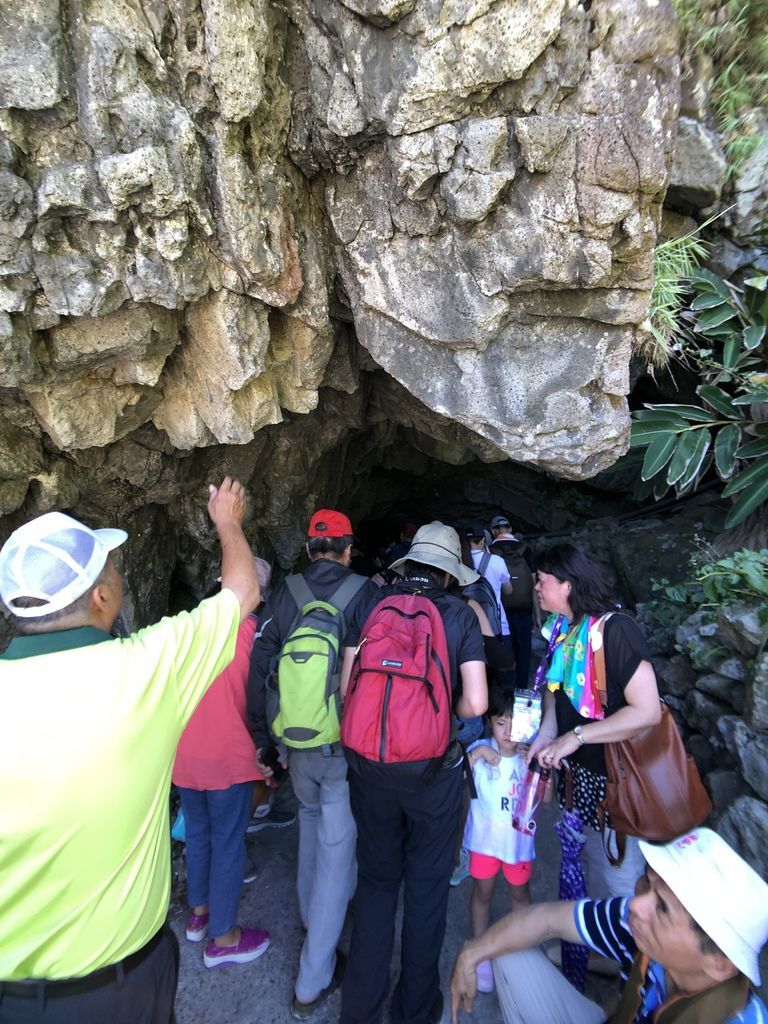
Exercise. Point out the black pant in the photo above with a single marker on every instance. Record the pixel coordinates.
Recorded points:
(401, 838)
(520, 627)
(146, 996)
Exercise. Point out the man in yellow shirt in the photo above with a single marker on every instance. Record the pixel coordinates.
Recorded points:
(88, 730)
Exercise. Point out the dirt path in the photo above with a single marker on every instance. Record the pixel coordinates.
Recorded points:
(259, 993)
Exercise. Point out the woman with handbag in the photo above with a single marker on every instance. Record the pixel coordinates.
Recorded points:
(575, 725)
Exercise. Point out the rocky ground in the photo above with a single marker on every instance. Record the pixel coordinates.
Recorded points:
(262, 991)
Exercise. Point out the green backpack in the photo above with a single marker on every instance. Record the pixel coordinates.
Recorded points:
(303, 700)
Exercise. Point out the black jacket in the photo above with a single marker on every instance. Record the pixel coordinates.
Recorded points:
(324, 576)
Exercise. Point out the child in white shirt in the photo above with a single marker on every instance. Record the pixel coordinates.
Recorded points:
(499, 770)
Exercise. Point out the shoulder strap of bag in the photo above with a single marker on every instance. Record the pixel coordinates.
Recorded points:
(484, 563)
(299, 590)
(343, 596)
(602, 693)
(716, 1005)
(566, 767)
(601, 676)
(632, 993)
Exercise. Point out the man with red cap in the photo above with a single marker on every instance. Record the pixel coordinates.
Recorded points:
(326, 869)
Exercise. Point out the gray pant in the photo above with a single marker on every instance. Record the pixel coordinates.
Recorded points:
(603, 879)
(327, 868)
(531, 990)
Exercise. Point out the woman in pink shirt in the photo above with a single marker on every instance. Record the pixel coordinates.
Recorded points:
(215, 769)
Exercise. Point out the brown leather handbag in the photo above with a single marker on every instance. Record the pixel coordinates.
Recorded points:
(653, 787)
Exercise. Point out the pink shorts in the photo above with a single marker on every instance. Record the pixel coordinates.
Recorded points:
(483, 866)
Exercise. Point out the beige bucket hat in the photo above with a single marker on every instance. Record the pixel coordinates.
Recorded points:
(438, 545)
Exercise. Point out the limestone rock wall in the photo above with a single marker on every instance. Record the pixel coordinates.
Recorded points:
(714, 672)
(217, 217)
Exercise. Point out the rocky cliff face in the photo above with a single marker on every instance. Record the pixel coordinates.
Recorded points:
(220, 216)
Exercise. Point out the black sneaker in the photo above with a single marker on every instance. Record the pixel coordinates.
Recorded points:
(274, 819)
(303, 1011)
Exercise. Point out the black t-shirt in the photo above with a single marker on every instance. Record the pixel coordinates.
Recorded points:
(625, 648)
(462, 630)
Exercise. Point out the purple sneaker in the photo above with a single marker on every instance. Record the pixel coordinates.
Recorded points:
(197, 927)
(253, 942)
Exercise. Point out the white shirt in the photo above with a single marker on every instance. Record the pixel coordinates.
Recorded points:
(489, 822)
(497, 574)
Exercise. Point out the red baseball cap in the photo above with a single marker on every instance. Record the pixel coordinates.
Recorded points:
(327, 522)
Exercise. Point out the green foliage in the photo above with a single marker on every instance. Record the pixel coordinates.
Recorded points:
(724, 339)
(733, 33)
(674, 262)
(741, 577)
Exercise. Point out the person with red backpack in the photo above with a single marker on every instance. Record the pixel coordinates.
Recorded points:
(413, 658)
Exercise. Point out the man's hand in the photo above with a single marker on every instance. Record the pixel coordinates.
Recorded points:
(463, 985)
(226, 507)
(226, 503)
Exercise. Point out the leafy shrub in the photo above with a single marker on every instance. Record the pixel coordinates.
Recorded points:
(724, 340)
(740, 577)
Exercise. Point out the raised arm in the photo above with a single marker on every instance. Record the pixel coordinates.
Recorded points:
(226, 507)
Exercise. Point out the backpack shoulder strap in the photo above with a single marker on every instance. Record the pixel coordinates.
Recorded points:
(343, 596)
(299, 590)
(484, 563)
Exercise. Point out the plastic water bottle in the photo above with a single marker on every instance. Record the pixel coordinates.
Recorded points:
(529, 797)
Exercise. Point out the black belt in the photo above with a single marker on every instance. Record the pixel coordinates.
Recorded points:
(43, 989)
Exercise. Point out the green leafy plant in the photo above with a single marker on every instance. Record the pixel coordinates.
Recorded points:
(724, 340)
(742, 576)
(674, 262)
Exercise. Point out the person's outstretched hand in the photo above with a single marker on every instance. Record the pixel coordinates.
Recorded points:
(463, 986)
(226, 503)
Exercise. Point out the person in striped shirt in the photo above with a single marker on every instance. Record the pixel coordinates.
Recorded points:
(687, 944)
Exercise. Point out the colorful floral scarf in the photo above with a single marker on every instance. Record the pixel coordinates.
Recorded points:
(570, 664)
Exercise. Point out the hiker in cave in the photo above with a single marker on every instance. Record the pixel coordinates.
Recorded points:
(575, 725)
(326, 865)
(91, 729)
(406, 823)
(216, 775)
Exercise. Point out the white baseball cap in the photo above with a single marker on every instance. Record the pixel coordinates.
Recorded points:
(720, 891)
(54, 559)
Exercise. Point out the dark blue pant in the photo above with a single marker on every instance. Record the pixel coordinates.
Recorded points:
(216, 820)
(520, 627)
(408, 839)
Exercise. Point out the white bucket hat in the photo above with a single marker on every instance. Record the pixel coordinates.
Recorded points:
(720, 891)
(54, 559)
(438, 545)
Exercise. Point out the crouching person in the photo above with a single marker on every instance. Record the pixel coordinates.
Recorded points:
(687, 943)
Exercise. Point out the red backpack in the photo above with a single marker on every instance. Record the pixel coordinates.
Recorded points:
(398, 707)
